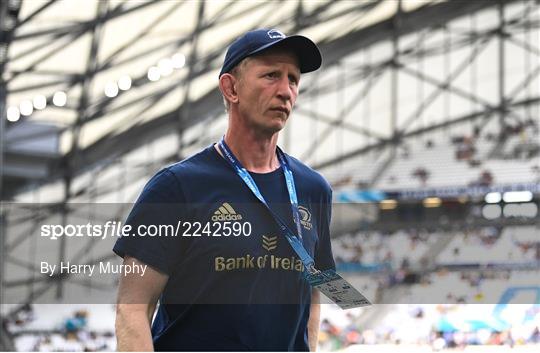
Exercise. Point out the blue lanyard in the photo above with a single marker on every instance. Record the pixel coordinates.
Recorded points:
(293, 240)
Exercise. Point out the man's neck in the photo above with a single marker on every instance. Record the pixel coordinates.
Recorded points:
(256, 152)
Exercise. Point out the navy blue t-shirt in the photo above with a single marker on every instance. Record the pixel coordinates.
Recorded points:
(234, 283)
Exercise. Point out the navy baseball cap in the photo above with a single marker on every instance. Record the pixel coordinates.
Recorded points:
(253, 42)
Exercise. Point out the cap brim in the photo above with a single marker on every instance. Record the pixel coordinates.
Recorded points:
(307, 52)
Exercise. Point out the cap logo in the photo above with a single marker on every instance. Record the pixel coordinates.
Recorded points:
(275, 34)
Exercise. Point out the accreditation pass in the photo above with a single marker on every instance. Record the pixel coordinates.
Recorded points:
(337, 289)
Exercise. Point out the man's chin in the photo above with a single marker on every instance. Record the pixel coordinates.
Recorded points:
(271, 129)
(278, 125)
(275, 124)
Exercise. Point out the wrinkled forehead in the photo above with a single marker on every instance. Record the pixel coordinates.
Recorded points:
(278, 56)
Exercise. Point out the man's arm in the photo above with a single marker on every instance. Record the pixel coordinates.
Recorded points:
(314, 320)
(137, 299)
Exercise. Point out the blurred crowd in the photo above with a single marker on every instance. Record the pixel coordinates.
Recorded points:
(427, 325)
(398, 249)
(71, 335)
(472, 266)
(408, 248)
(517, 142)
(82, 341)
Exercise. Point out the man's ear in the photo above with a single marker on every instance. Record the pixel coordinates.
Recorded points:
(227, 86)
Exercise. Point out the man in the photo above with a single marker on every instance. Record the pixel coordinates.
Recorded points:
(246, 290)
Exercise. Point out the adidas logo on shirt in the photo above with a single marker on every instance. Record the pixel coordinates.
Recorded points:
(225, 212)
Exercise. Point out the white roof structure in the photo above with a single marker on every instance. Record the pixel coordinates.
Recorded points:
(133, 73)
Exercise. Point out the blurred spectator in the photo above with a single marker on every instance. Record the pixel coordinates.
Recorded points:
(343, 181)
(526, 150)
(535, 337)
(45, 345)
(536, 171)
(465, 147)
(474, 162)
(485, 179)
(476, 132)
(77, 322)
(421, 174)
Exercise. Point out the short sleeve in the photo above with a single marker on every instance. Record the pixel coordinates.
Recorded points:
(154, 219)
(324, 259)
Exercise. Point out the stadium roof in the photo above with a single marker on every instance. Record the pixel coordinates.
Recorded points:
(165, 56)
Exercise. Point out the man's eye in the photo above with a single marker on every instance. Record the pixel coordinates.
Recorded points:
(271, 74)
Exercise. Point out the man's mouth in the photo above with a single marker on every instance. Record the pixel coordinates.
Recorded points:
(281, 109)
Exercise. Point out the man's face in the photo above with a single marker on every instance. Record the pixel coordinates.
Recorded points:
(267, 90)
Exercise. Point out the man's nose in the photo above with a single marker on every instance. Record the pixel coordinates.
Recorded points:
(284, 89)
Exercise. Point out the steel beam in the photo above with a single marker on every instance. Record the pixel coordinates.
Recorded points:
(418, 132)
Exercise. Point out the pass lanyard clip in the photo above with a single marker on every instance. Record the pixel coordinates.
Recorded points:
(294, 241)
